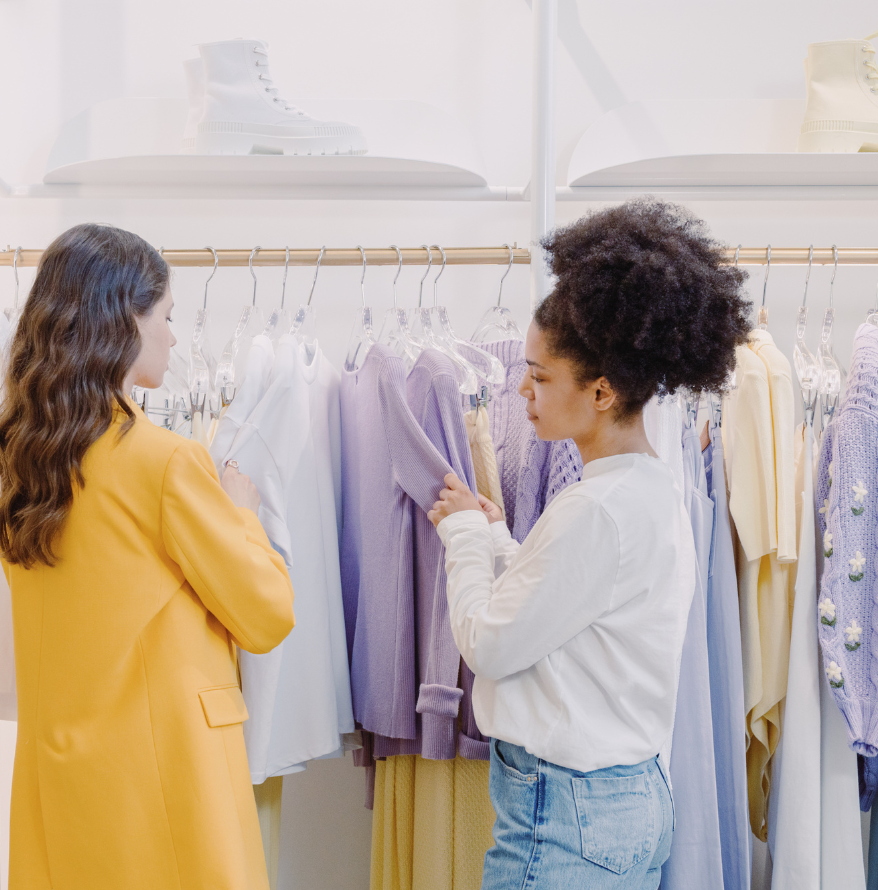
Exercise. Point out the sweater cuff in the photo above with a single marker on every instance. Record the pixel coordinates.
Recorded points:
(443, 701)
(459, 521)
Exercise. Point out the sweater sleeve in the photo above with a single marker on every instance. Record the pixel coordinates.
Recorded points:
(418, 467)
(554, 588)
(224, 553)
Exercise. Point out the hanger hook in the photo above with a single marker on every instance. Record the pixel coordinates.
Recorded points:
(252, 273)
(15, 257)
(283, 287)
(398, 270)
(363, 276)
(316, 271)
(511, 259)
(436, 279)
(808, 274)
(429, 266)
(215, 264)
(834, 270)
(767, 271)
(737, 251)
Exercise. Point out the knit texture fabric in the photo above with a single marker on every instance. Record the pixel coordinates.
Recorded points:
(532, 472)
(847, 498)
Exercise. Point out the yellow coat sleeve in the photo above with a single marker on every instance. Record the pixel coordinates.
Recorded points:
(224, 553)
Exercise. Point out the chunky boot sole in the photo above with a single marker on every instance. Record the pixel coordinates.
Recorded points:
(233, 138)
(838, 136)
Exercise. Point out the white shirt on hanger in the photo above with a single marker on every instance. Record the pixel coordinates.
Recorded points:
(298, 695)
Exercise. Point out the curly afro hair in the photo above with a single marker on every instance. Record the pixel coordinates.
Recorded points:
(643, 299)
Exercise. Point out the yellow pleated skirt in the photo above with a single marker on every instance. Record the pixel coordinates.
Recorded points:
(431, 824)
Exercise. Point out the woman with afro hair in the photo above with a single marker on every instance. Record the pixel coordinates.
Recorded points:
(575, 635)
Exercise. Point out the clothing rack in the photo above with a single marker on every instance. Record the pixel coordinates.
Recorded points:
(454, 256)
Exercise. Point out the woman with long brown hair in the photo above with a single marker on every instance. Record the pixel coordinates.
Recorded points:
(134, 572)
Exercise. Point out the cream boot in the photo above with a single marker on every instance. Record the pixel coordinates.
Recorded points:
(243, 113)
(195, 89)
(842, 110)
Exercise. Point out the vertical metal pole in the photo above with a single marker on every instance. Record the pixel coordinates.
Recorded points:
(542, 177)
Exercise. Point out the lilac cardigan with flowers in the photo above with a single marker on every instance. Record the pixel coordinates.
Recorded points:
(847, 497)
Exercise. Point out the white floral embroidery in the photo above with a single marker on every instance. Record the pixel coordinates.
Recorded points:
(857, 562)
(853, 631)
(827, 608)
(860, 491)
(833, 672)
(825, 507)
(827, 544)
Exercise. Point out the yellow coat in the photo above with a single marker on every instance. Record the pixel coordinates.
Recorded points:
(130, 767)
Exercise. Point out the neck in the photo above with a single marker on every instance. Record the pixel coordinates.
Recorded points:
(610, 438)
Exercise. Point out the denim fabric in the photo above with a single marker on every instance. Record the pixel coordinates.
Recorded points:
(557, 827)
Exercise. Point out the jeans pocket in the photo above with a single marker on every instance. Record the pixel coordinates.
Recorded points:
(616, 820)
(515, 761)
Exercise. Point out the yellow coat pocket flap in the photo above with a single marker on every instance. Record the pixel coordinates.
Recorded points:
(223, 705)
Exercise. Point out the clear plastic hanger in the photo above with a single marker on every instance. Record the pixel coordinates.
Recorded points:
(872, 315)
(423, 330)
(304, 325)
(497, 323)
(395, 331)
(806, 364)
(234, 354)
(762, 315)
(486, 366)
(280, 319)
(363, 334)
(13, 313)
(202, 364)
(832, 374)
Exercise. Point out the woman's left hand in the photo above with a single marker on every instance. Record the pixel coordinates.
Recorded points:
(454, 498)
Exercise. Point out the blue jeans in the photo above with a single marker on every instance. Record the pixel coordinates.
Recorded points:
(558, 828)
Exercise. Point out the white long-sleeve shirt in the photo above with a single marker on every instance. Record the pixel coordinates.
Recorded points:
(574, 636)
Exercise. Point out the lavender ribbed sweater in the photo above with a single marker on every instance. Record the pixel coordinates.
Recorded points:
(387, 462)
(532, 472)
(435, 401)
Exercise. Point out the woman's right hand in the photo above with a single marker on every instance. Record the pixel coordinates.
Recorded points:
(240, 489)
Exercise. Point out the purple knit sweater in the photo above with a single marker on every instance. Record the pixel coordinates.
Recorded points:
(532, 472)
(387, 462)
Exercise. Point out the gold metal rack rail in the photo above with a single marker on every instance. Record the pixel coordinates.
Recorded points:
(455, 256)
(375, 256)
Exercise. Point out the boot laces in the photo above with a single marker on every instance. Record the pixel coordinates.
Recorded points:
(871, 67)
(266, 79)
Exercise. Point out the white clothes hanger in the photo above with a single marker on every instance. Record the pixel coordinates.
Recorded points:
(487, 366)
(250, 323)
(363, 334)
(762, 315)
(424, 331)
(806, 364)
(497, 323)
(832, 374)
(202, 363)
(395, 331)
(14, 312)
(280, 319)
(304, 325)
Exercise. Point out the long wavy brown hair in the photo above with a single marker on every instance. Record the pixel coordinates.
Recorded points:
(74, 345)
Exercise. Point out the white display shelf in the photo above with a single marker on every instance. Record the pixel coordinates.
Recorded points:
(710, 148)
(131, 146)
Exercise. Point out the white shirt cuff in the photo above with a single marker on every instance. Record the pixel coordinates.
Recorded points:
(461, 520)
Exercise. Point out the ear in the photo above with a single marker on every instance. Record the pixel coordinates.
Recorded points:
(604, 394)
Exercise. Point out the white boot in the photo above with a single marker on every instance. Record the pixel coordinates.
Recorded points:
(842, 110)
(194, 71)
(243, 113)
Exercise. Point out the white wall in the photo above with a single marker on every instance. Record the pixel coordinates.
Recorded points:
(471, 58)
